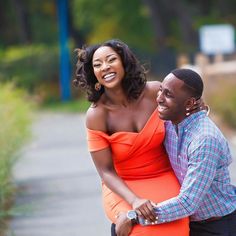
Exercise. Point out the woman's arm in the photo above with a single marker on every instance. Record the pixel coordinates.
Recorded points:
(153, 88)
(104, 165)
(103, 161)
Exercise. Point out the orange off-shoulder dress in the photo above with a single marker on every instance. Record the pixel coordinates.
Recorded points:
(141, 161)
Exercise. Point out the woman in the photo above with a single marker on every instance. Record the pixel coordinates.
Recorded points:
(125, 136)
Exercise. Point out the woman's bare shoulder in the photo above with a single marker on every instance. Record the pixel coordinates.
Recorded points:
(152, 87)
(96, 117)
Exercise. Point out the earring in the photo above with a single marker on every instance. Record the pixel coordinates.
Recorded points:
(97, 86)
(187, 111)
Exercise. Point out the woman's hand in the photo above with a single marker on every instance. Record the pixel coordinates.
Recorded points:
(123, 225)
(144, 208)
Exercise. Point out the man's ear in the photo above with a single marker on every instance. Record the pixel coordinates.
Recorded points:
(189, 103)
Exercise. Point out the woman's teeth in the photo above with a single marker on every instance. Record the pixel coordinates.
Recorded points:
(109, 76)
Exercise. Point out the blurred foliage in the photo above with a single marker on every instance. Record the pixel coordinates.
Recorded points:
(80, 105)
(222, 99)
(144, 24)
(29, 66)
(26, 22)
(15, 119)
(102, 20)
(156, 30)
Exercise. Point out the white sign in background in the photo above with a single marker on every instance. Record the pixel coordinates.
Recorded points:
(217, 39)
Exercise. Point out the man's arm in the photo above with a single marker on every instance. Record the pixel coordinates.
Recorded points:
(203, 157)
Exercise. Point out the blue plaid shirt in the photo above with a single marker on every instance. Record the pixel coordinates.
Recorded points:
(200, 156)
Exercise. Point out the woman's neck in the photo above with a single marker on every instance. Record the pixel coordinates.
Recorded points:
(116, 97)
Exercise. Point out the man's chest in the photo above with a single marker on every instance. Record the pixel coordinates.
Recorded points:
(177, 149)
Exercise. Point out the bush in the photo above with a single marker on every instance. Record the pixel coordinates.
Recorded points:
(35, 68)
(79, 105)
(15, 120)
(221, 97)
(29, 66)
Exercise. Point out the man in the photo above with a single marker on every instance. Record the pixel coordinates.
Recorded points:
(200, 156)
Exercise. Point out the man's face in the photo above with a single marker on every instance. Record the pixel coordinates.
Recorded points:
(172, 99)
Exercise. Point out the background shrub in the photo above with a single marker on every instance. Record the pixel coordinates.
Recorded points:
(220, 95)
(15, 120)
(29, 66)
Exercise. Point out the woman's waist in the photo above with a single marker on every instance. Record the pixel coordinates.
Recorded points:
(157, 189)
(142, 172)
(136, 169)
(147, 156)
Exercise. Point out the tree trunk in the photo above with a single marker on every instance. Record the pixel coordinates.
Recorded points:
(181, 11)
(158, 22)
(22, 21)
(73, 32)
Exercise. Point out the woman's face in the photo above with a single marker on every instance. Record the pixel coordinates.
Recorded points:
(108, 67)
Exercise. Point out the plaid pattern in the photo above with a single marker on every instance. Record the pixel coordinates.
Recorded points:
(200, 156)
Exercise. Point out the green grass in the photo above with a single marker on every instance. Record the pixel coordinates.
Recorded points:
(75, 106)
(15, 119)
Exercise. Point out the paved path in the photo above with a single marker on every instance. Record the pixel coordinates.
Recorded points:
(59, 181)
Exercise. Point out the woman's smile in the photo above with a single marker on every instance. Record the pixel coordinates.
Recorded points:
(110, 76)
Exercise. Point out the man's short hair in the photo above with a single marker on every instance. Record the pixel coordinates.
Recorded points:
(191, 79)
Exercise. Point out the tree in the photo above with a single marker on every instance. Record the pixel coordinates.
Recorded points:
(168, 18)
(22, 21)
(99, 20)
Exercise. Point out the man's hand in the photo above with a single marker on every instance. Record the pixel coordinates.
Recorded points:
(123, 225)
(144, 208)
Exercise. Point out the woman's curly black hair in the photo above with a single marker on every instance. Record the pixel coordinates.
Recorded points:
(135, 75)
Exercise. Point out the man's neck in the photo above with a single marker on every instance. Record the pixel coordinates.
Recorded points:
(181, 119)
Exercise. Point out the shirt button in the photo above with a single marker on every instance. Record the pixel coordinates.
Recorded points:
(185, 130)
